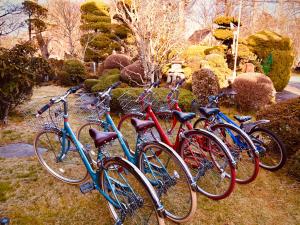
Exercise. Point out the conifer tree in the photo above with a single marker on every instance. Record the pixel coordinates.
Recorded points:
(101, 37)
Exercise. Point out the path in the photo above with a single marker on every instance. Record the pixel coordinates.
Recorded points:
(292, 90)
(16, 151)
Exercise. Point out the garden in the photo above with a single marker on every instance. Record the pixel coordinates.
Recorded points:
(120, 63)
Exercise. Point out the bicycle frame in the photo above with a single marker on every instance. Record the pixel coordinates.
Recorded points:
(133, 158)
(68, 132)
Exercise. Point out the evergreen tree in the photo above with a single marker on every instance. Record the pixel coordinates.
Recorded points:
(36, 15)
(101, 37)
(36, 22)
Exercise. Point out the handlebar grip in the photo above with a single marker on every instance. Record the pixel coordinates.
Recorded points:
(45, 108)
(155, 84)
(115, 85)
(76, 88)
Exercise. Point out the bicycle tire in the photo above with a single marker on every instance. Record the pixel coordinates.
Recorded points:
(144, 186)
(279, 144)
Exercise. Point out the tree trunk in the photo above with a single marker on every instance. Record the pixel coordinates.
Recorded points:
(43, 45)
(4, 114)
(29, 29)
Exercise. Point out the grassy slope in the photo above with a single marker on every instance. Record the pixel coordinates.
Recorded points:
(29, 195)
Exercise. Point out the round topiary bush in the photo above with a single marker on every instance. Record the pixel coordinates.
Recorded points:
(133, 74)
(294, 165)
(73, 73)
(277, 51)
(118, 61)
(254, 91)
(204, 84)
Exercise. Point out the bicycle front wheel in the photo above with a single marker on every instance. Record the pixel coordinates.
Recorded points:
(135, 199)
(242, 149)
(272, 153)
(210, 162)
(60, 157)
(171, 179)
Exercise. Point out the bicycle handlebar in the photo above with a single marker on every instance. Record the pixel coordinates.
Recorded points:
(52, 101)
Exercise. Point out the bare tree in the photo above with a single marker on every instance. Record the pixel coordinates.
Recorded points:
(158, 28)
(10, 17)
(64, 17)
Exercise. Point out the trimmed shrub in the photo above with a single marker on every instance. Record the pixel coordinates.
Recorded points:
(216, 50)
(294, 165)
(266, 43)
(223, 34)
(89, 83)
(108, 78)
(73, 73)
(105, 82)
(185, 96)
(218, 65)
(285, 122)
(194, 52)
(254, 91)
(225, 21)
(133, 74)
(204, 84)
(118, 61)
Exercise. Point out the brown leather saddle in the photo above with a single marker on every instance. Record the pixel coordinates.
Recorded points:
(100, 138)
(141, 125)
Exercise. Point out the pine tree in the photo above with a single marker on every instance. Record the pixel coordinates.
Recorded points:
(101, 37)
(37, 15)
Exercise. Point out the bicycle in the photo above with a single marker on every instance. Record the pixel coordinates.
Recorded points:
(208, 158)
(272, 153)
(163, 167)
(241, 146)
(131, 198)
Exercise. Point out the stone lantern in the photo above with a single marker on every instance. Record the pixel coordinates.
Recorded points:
(175, 72)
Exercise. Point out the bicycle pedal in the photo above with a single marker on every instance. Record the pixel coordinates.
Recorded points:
(87, 187)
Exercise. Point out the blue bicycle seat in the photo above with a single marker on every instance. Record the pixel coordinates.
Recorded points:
(209, 111)
(242, 119)
(183, 117)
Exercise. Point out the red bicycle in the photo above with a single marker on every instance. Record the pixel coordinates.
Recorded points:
(208, 158)
(240, 144)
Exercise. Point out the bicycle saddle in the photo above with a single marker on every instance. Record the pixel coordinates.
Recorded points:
(101, 138)
(242, 119)
(141, 125)
(209, 111)
(183, 117)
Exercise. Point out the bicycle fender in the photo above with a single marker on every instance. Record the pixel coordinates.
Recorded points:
(248, 127)
(159, 207)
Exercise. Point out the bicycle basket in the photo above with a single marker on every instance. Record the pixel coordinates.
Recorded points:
(50, 119)
(87, 108)
(131, 104)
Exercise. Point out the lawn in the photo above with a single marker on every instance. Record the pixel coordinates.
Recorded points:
(29, 195)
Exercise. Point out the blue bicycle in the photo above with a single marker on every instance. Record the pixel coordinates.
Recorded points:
(272, 153)
(163, 167)
(131, 197)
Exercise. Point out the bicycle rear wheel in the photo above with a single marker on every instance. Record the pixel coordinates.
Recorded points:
(68, 168)
(171, 179)
(272, 153)
(131, 191)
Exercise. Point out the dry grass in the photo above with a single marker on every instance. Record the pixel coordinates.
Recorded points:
(29, 195)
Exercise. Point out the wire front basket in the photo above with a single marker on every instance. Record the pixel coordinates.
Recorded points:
(88, 108)
(132, 104)
(50, 119)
